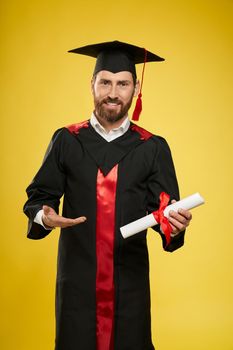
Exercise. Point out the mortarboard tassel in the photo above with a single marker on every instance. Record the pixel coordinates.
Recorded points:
(138, 106)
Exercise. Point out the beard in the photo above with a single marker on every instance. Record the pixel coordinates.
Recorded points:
(111, 116)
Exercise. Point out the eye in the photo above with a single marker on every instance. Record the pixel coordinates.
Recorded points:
(105, 82)
(123, 83)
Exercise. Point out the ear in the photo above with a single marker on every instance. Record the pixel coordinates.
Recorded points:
(137, 88)
(92, 85)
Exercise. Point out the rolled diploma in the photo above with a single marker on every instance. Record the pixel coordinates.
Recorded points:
(147, 221)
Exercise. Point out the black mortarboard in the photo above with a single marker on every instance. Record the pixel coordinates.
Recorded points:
(116, 56)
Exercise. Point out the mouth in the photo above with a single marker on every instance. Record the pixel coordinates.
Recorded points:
(112, 105)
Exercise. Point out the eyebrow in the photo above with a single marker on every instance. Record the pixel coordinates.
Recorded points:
(103, 79)
(124, 81)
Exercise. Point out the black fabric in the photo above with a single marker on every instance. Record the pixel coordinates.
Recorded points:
(116, 56)
(70, 168)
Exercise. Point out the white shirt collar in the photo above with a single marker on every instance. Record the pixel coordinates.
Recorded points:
(112, 134)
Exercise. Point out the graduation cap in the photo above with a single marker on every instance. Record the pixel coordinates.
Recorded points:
(116, 56)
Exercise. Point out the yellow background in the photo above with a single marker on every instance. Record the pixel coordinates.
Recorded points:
(187, 99)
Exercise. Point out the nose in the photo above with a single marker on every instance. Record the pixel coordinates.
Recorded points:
(113, 92)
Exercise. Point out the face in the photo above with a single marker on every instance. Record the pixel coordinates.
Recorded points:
(113, 95)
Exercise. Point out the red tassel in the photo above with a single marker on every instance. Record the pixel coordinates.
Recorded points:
(138, 108)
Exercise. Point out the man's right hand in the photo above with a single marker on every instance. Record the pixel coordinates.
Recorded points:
(51, 219)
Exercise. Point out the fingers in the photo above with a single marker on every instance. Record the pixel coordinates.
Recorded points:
(185, 213)
(60, 221)
(66, 222)
(179, 221)
(51, 219)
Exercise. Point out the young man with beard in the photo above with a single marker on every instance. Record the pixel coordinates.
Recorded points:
(110, 172)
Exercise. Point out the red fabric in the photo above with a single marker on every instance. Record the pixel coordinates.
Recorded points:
(105, 230)
(145, 135)
(161, 219)
(138, 108)
(74, 128)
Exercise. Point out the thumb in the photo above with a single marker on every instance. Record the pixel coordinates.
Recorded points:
(46, 209)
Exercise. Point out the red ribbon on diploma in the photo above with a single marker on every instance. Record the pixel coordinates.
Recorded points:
(161, 219)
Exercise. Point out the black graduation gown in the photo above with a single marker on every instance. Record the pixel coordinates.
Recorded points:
(70, 167)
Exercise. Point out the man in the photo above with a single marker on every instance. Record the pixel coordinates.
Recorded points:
(111, 172)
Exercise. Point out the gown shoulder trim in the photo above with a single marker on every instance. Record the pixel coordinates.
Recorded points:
(144, 134)
(74, 128)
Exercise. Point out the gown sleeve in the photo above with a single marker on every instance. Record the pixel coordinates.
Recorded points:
(47, 186)
(163, 178)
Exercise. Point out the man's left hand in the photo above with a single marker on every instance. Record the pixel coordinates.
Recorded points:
(180, 220)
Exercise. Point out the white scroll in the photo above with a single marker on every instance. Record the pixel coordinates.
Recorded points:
(147, 221)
